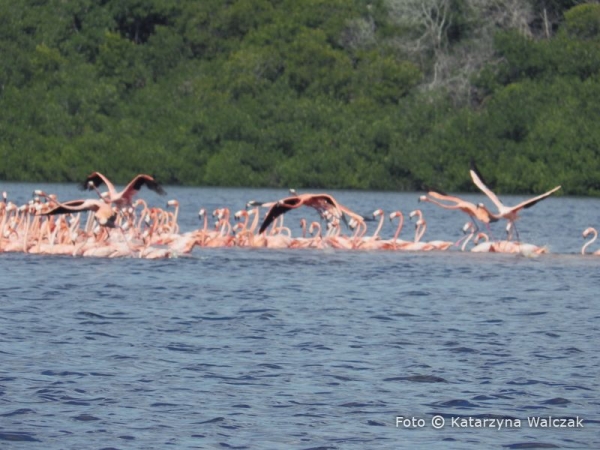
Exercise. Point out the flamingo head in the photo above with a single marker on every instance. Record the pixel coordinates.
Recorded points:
(377, 212)
(587, 232)
(172, 203)
(253, 204)
(241, 213)
(414, 213)
(423, 198)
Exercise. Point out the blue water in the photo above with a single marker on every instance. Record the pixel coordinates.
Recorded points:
(303, 349)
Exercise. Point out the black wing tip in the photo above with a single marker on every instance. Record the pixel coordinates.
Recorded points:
(159, 189)
(475, 169)
(93, 178)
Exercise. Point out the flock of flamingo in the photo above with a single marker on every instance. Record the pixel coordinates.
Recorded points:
(117, 225)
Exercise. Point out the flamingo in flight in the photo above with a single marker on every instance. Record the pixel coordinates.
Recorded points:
(103, 212)
(357, 218)
(458, 204)
(125, 197)
(510, 213)
(321, 202)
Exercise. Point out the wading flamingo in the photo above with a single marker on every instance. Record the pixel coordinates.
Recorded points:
(421, 227)
(586, 233)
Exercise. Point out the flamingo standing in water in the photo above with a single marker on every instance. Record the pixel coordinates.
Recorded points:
(372, 242)
(586, 233)
(480, 247)
(510, 213)
(125, 197)
(421, 227)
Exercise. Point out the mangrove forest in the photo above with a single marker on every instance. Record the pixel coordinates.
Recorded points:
(321, 94)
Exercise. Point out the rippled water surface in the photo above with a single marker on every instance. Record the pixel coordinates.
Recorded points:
(302, 349)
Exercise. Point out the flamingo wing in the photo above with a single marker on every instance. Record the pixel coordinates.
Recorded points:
(276, 210)
(97, 179)
(532, 201)
(144, 180)
(476, 177)
(66, 208)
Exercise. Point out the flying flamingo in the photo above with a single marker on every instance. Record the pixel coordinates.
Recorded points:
(459, 204)
(586, 233)
(125, 197)
(505, 212)
(321, 202)
(103, 212)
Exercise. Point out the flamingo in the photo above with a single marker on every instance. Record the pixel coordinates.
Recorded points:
(125, 197)
(321, 202)
(395, 243)
(482, 247)
(357, 218)
(510, 213)
(459, 204)
(373, 242)
(103, 212)
(586, 233)
(420, 228)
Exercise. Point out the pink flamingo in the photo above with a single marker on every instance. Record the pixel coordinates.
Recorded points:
(125, 197)
(459, 204)
(586, 233)
(373, 242)
(510, 213)
(420, 228)
(103, 212)
(321, 202)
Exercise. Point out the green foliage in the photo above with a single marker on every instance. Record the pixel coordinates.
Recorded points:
(314, 94)
(583, 21)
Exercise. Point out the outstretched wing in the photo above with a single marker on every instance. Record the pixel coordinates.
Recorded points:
(276, 210)
(145, 180)
(65, 208)
(477, 179)
(532, 201)
(97, 179)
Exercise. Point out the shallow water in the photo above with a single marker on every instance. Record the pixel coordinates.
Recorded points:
(301, 349)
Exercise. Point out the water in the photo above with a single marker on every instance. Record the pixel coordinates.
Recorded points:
(303, 349)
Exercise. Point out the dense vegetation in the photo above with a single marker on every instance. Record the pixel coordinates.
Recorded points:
(381, 94)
